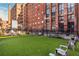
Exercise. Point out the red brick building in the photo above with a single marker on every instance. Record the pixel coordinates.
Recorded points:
(17, 14)
(52, 17)
(36, 13)
(13, 13)
(64, 17)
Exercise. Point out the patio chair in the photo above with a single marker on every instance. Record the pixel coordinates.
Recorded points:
(62, 50)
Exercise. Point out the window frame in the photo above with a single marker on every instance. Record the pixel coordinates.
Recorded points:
(70, 7)
(71, 17)
(47, 10)
(53, 9)
(61, 18)
(61, 8)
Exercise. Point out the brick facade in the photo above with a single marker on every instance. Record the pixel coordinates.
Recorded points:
(64, 19)
(36, 17)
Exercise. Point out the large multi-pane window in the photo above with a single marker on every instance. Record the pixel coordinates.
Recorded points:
(61, 23)
(71, 17)
(70, 7)
(47, 13)
(53, 16)
(47, 10)
(70, 27)
(47, 5)
(53, 22)
(61, 8)
(53, 9)
(61, 27)
(61, 18)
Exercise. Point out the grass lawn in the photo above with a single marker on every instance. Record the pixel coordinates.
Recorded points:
(29, 45)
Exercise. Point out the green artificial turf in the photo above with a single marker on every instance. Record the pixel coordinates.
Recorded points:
(29, 45)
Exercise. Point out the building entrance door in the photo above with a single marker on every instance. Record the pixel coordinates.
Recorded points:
(61, 27)
(71, 27)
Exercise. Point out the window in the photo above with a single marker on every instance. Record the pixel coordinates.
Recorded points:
(61, 27)
(61, 18)
(47, 5)
(53, 22)
(21, 5)
(71, 17)
(70, 27)
(38, 4)
(61, 8)
(70, 7)
(53, 4)
(53, 15)
(53, 18)
(53, 26)
(53, 11)
(47, 10)
(47, 13)
(38, 13)
(38, 9)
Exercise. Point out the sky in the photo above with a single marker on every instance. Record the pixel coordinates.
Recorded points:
(4, 10)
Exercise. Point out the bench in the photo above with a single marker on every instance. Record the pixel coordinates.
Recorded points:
(62, 50)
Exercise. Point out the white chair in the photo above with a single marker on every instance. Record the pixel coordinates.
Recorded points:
(62, 50)
(51, 54)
